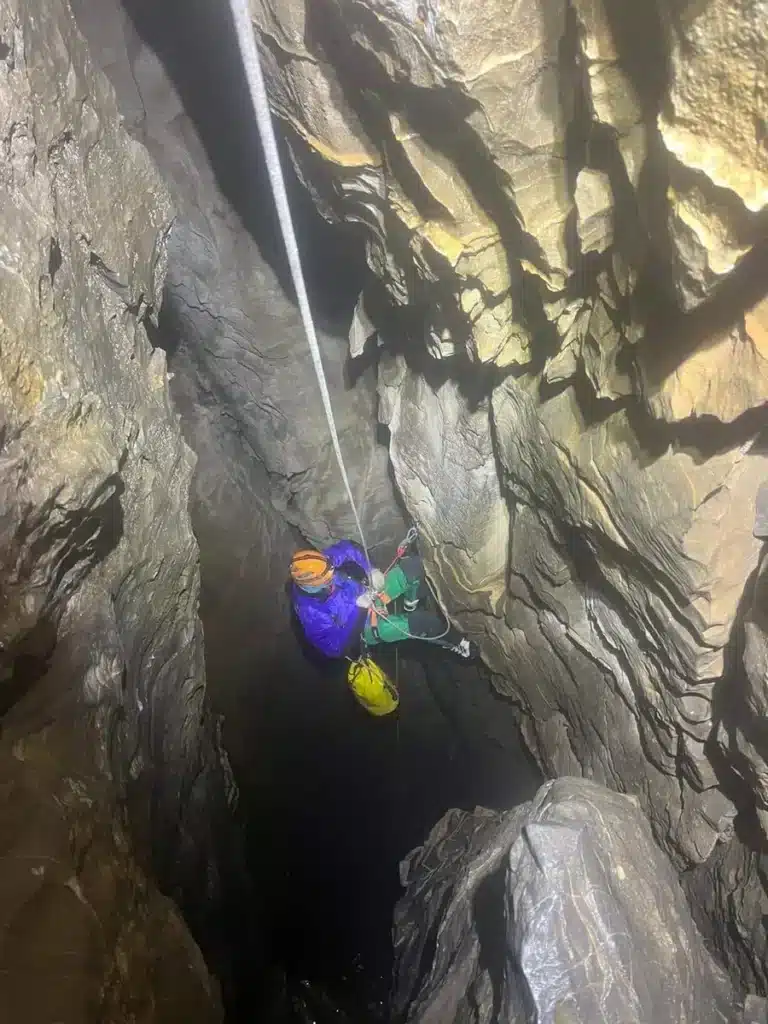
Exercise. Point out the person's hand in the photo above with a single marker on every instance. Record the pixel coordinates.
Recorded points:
(378, 579)
(365, 600)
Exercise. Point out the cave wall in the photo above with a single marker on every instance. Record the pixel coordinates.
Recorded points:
(239, 346)
(572, 197)
(316, 775)
(105, 734)
(570, 237)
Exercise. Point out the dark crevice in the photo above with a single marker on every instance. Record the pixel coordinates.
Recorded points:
(196, 43)
(579, 130)
(641, 35)
(676, 336)
(25, 664)
(54, 259)
(490, 922)
(702, 436)
(95, 533)
(629, 235)
(439, 117)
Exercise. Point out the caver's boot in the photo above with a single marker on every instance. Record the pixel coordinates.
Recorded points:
(465, 649)
(433, 629)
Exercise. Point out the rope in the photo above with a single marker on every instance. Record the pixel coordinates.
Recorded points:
(409, 538)
(252, 66)
(402, 547)
(413, 636)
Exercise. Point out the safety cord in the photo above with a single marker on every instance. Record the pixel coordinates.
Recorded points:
(402, 547)
(409, 538)
(412, 636)
(252, 66)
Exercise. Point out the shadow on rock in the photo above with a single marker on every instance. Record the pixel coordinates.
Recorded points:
(196, 43)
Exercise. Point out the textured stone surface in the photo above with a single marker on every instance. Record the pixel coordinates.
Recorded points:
(244, 386)
(589, 521)
(530, 184)
(718, 107)
(708, 238)
(461, 214)
(249, 350)
(585, 631)
(446, 139)
(594, 205)
(726, 885)
(613, 98)
(99, 561)
(561, 909)
(727, 888)
(463, 519)
(723, 379)
(87, 937)
(242, 344)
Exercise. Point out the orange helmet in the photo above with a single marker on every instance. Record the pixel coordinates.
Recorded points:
(311, 570)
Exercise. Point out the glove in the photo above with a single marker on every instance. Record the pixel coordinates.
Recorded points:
(365, 600)
(378, 579)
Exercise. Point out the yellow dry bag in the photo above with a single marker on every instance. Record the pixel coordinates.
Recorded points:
(372, 688)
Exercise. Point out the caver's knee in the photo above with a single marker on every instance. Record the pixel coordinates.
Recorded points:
(412, 566)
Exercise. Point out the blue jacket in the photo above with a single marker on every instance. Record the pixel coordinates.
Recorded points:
(332, 622)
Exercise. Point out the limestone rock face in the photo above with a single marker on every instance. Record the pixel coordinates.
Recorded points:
(574, 871)
(558, 589)
(725, 887)
(445, 135)
(651, 609)
(718, 107)
(594, 204)
(88, 938)
(558, 194)
(465, 201)
(99, 565)
(238, 339)
(463, 501)
(251, 352)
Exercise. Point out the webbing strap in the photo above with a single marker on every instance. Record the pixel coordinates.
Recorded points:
(252, 66)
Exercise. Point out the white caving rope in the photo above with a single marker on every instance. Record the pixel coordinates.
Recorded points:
(252, 66)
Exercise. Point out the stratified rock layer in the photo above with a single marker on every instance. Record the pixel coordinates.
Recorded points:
(99, 563)
(556, 191)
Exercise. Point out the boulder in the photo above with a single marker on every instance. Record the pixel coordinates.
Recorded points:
(561, 909)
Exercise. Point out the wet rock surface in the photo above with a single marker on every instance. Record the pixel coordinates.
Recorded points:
(563, 909)
(334, 799)
(101, 669)
(87, 937)
(574, 252)
(566, 253)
